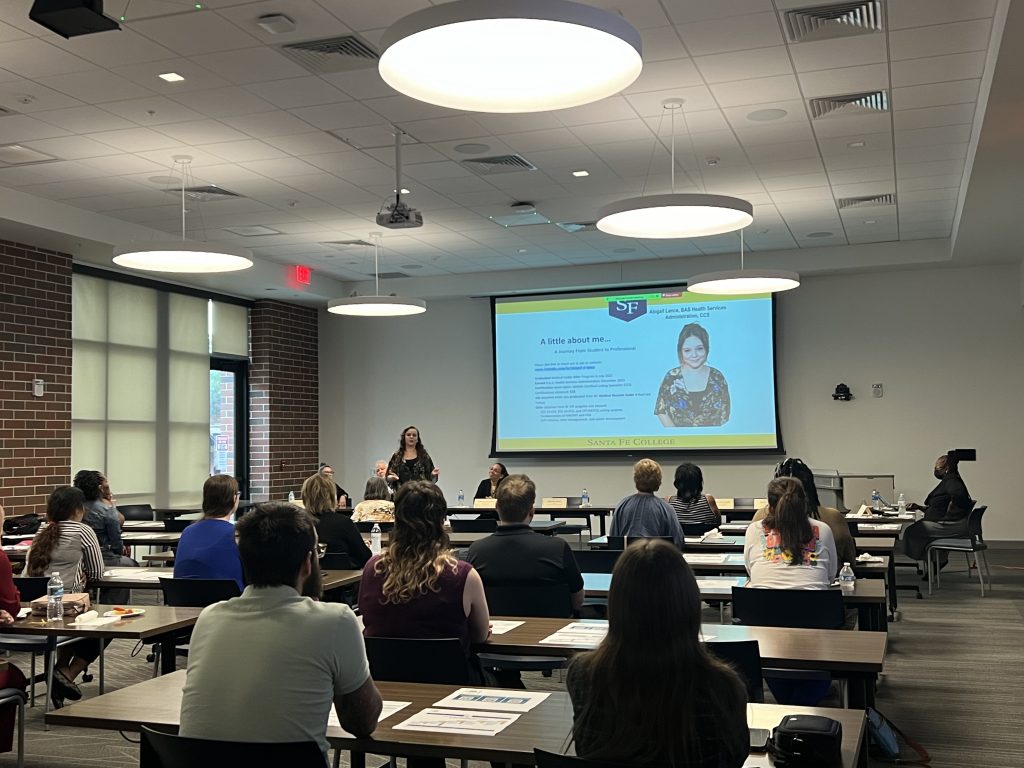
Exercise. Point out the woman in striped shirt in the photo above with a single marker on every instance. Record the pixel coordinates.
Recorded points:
(70, 547)
(691, 504)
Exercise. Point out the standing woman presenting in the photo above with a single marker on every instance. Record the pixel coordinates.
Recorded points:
(411, 461)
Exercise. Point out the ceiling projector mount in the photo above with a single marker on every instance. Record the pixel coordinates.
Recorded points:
(398, 215)
(71, 18)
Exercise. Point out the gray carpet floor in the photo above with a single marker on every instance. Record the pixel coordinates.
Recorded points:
(953, 678)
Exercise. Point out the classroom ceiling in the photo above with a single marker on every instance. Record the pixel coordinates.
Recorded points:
(310, 156)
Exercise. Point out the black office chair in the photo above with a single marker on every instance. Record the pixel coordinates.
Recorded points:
(191, 593)
(176, 526)
(137, 512)
(165, 750)
(973, 543)
(854, 527)
(474, 526)
(621, 542)
(744, 656)
(697, 529)
(414, 660)
(337, 561)
(31, 587)
(554, 760)
(550, 601)
(596, 560)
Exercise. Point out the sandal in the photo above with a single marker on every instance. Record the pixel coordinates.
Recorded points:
(65, 686)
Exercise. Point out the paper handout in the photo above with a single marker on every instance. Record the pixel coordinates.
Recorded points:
(493, 699)
(458, 721)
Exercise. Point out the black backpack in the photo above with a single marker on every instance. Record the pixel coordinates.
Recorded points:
(22, 525)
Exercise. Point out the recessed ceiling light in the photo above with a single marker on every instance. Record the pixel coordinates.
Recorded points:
(855, 144)
(766, 115)
(869, 221)
(412, 266)
(404, 191)
(252, 230)
(15, 154)
(471, 148)
(624, 250)
(521, 250)
(171, 77)
(580, 174)
(819, 234)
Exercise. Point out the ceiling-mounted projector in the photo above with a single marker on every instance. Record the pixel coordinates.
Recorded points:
(398, 215)
(71, 18)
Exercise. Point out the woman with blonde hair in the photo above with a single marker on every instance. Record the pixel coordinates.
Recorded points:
(336, 530)
(416, 587)
(643, 514)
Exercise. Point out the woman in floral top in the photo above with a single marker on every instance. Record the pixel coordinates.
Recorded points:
(694, 394)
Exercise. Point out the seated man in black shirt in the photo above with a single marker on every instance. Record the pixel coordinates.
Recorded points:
(945, 511)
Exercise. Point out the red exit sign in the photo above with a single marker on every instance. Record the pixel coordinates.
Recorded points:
(302, 274)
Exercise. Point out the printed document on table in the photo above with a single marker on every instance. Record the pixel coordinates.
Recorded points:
(717, 585)
(578, 633)
(704, 557)
(389, 708)
(499, 627)
(493, 699)
(458, 721)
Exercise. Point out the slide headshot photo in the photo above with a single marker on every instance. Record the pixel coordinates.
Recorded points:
(694, 394)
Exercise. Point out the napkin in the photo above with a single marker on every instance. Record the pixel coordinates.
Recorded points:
(714, 533)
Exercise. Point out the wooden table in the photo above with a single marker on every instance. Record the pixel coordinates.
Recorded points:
(156, 703)
(149, 578)
(857, 656)
(143, 539)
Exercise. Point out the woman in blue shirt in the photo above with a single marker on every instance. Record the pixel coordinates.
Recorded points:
(207, 549)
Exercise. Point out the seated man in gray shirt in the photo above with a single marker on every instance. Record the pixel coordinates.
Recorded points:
(269, 665)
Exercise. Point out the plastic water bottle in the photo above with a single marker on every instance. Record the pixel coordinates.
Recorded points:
(876, 501)
(291, 495)
(55, 598)
(901, 504)
(375, 539)
(847, 578)
(585, 498)
(462, 498)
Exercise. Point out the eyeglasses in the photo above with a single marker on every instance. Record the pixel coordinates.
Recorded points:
(321, 550)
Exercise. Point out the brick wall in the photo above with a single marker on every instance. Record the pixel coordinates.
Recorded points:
(35, 343)
(284, 432)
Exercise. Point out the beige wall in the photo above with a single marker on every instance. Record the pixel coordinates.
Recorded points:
(945, 343)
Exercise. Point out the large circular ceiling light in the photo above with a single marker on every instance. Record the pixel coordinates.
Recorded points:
(185, 256)
(510, 55)
(376, 306)
(674, 216)
(743, 282)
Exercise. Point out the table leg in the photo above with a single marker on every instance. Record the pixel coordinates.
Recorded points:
(168, 658)
(861, 691)
(890, 579)
(103, 677)
(601, 518)
(357, 759)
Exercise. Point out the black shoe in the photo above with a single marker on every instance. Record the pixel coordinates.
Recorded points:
(57, 700)
(65, 687)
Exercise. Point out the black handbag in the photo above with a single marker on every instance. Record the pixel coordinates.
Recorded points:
(22, 525)
(807, 740)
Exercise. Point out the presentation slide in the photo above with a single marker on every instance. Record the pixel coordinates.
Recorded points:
(644, 370)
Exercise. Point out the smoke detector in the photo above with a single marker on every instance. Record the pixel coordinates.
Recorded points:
(275, 24)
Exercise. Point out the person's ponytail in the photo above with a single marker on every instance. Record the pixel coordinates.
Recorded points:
(63, 503)
(788, 516)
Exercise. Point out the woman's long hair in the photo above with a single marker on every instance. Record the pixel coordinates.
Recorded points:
(376, 489)
(653, 637)
(63, 503)
(796, 468)
(689, 482)
(787, 514)
(419, 551)
(319, 494)
(420, 450)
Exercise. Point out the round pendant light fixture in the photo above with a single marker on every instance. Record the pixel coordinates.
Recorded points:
(183, 256)
(510, 55)
(376, 305)
(743, 282)
(675, 215)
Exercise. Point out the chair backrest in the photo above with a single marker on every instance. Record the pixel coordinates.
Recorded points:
(744, 656)
(596, 560)
(854, 527)
(620, 542)
(554, 760)
(475, 526)
(197, 593)
(797, 608)
(414, 660)
(31, 587)
(176, 526)
(697, 529)
(741, 512)
(165, 750)
(137, 511)
(366, 526)
(974, 524)
(337, 561)
(550, 601)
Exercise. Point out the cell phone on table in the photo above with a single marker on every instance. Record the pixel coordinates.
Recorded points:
(759, 739)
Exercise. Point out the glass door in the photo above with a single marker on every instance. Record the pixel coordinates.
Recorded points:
(229, 420)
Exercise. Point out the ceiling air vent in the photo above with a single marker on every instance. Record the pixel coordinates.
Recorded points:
(578, 226)
(206, 194)
(335, 54)
(344, 245)
(485, 166)
(825, 22)
(850, 104)
(389, 276)
(866, 201)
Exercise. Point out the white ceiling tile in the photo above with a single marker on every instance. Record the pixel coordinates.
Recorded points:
(928, 182)
(736, 33)
(661, 43)
(313, 143)
(445, 169)
(165, 158)
(947, 134)
(360, 84)
(790, 167)
(223, 102)
(189, 33)
(266, 124)
(854, 51)
(938, 69)
(415, 153)
(95, 87)
(250, 65)
(147, 74)
(864, 188)
(129, 48)
(705, 121)
(563, 160)
(860, 158)
(915, 13)
(123, 164)
(928, 153)
(27, 97)
(444, 128)
(686, 11)
(362, 15)
(312, 22)
(68, 189)
(936, 168)
(83, 119)
(607, 133)
(936, 40)
(834, 82)
(868, 142)
(297, 92)
(70, 147)
(857, 175)
(244, 151)
(8, 32)
(331, 117)
(794, 109)
(775, 134)
(929, 117)
(640, 13)
(281, 168)
(403, 109)
(603, 111)
(659, 75)
(801, 181)
(765, 62)
(854, 126)
(155, 110)
(929, 195)
(554, 138)
(44, 172)
(34, 58)
(793, 150)
(652, 103)
(935, 94)
(341, 163)
(201, 132)
(760, 90)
